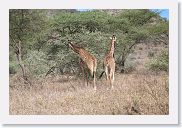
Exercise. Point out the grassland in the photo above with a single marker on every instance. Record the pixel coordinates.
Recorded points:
(138, 92)
(133, 94)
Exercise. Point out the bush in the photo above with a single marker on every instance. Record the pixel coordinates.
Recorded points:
(13, 67)
(129, 66)
(161, 62)
(140, 48)
(37, 63)
(150, 54)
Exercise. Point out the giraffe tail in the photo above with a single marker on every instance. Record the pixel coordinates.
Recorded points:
(101, 74)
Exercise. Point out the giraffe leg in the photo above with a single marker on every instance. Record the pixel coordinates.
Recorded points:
(83, 72)
(107, 77)
(110, 79)
(94, 73)
(83, 75)
(87, 76)
(106, 71)
(112, 82)
(113, 76)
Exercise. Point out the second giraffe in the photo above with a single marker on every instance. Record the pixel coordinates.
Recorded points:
(109, 63)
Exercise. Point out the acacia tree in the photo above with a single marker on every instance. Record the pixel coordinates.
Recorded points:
(25, 26)
(138, 26)
(92, 30)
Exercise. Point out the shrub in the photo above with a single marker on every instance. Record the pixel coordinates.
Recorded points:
(161, 62)
(150, 54)
(37, 63)
(129, 66)
(140, 48)
(13, 67)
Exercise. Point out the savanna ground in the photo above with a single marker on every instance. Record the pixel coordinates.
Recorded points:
(136, 92)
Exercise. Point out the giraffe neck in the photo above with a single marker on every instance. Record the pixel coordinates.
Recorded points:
(74, 48)
(111, 51)
(78, 50)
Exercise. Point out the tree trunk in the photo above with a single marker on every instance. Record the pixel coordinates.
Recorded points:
(22, 66)
(122, 64)
(124, 56)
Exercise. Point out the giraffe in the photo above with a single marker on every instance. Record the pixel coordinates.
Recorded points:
(109, 63)
(86, 59)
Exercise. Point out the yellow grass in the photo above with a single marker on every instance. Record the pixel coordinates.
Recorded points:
(132, 94)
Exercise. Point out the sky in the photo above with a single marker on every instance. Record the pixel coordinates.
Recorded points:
(164, 12)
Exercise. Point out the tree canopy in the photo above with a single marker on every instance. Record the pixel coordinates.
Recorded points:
(42, 38)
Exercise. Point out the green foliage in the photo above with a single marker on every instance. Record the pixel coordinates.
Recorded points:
(138, 17)
(44, 38)
(27, 27)
(159, 28)
(37, 62)
(161, 62)
(13, 67)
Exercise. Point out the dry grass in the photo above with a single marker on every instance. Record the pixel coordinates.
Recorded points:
(133, 94)
(141, 92)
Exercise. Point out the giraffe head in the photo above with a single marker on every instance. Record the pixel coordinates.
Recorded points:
(74, 47)
(70, 43)
(113, 41)
(113, 38)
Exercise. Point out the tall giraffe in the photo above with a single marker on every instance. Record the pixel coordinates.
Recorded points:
(109, 63)
(86, 59)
